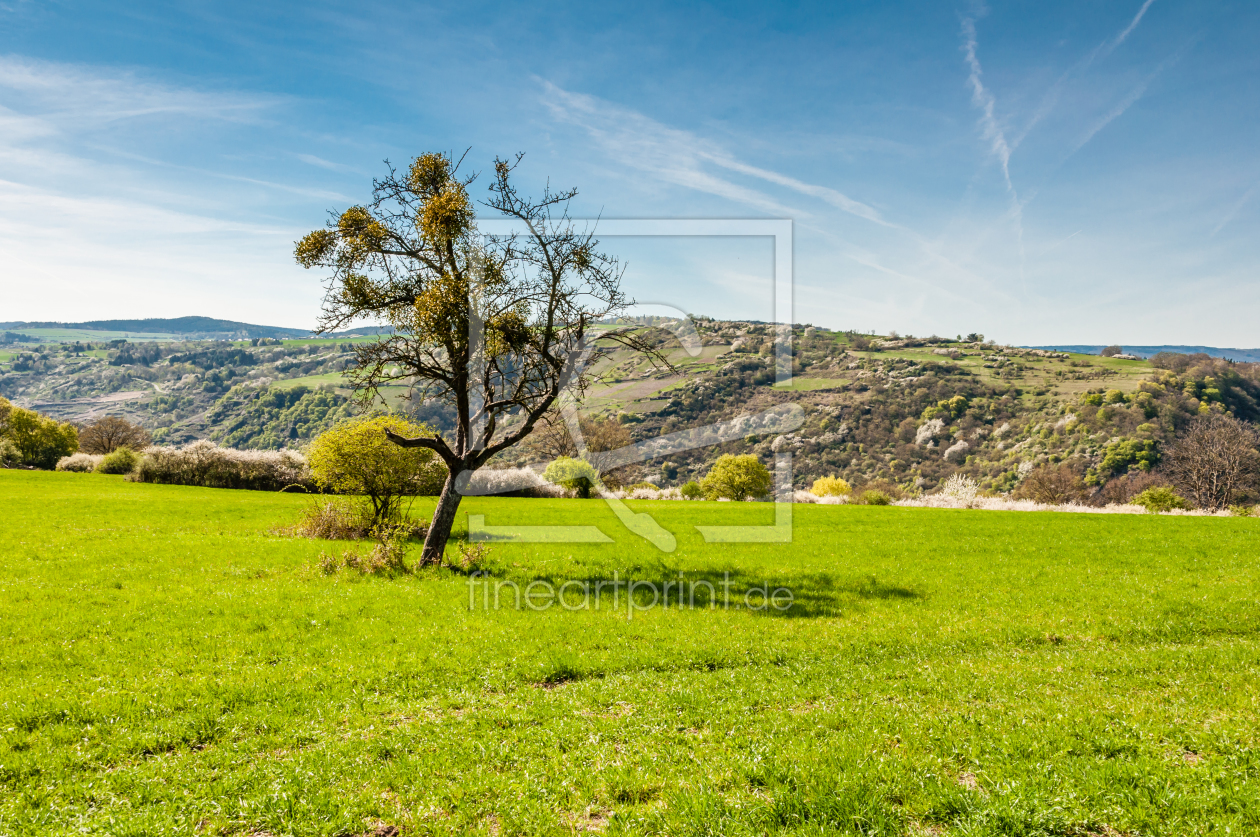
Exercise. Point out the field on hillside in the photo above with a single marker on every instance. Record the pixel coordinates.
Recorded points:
(171, 665)
(92, 336)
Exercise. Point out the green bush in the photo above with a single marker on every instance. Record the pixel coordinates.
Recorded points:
(648, 485)
(875, 498)
(1159, 499)
(120, 461)
(10, 456)
(1119, 456)
(356, 457)
(737, 478)
(691, 491)
(574, 474)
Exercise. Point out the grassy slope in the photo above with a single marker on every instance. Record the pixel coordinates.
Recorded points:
(167, 662)
(90, 336)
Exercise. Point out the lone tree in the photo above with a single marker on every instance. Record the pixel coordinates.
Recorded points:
(111, 433)
(1214, 460)
(495, 328)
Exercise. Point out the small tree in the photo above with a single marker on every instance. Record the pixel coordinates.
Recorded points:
(1214, 460)
(111, 433)
(1111, 351)
(39, 439)
(737, 478)
(357, 457)
(492, 328)
(574, 474)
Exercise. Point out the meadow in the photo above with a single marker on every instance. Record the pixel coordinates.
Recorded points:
(172, 663)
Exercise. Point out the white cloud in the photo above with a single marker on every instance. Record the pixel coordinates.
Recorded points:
(990, 128)
(682, 158)
(1128, 30)
(83, 96)
(91, 231)
(1236, 208)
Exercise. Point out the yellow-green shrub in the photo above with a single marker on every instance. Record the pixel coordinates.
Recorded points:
(356, 457)
(737, 478)
(830, 487)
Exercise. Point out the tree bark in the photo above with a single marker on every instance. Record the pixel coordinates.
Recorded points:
(440, 526)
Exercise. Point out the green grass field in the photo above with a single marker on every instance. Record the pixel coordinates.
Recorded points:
(335, 379)
(170, 665)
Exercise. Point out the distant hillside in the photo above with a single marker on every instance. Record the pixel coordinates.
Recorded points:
(185, 326)
(893, 414)
(1240, 355)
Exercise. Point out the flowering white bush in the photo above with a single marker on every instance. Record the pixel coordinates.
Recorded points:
(929, 431)
(510, 480)
(961, 490)
(206, 464)
(82, 463)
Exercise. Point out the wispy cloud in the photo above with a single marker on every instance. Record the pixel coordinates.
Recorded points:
(95, 95)
(312, 160)
(683, 158)
(89, 218)
(1236, 208)
(1128, 30)
(1118, 109)
(990, 128)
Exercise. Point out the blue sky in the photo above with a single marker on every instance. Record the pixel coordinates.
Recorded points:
(1039, 172)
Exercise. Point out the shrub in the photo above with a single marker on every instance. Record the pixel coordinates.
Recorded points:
(960, 489)
(1120, 455)
(473, 557)
(334, 520)
(1051, 485)
(111, 433)
(10, 456)
(574, 474)
(513, 482)
(208, 465)
(41, 441)
(79, 463)
(1159, 499)
(389, 556)
(830, 487)
(643, 485)
(737, 478)
(119, 461)
(875, 498)
(356, 457)
(691, 491)
(1243, 511)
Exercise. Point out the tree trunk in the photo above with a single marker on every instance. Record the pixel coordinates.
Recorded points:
(440, 527)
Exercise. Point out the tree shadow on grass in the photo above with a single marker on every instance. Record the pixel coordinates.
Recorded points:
(805, 595)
